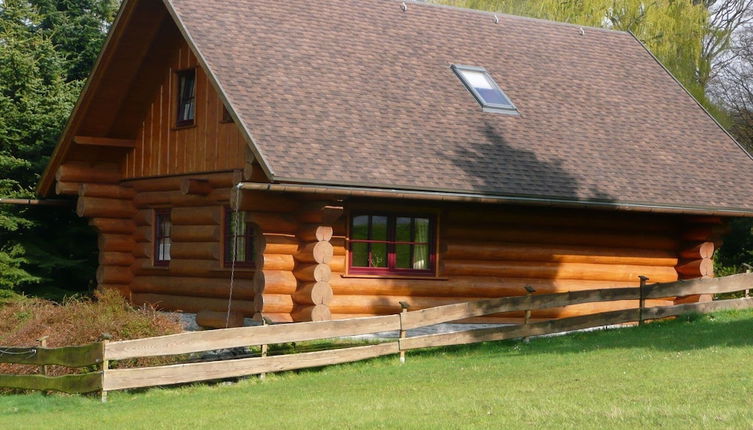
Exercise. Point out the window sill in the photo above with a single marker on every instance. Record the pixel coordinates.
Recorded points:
(183, 127)
(388, 276)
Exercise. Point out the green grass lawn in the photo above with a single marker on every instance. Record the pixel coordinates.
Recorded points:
(694, 372)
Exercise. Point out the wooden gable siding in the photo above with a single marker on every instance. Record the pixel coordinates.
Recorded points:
(163, 149)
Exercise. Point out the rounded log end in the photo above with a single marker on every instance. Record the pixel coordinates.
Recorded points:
(323, 252)
(312, 313)
(314, 293)
(322, 273)
(706, 250)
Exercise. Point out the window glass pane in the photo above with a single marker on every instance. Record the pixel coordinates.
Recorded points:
(402, 256)
(493, 97)
(162, 237)
(240, 250)
(360, 227)
(165, 226)
(402, 229)
(421, 230)
(186, 96)
(378, 228)
(360, 254)
(190, 110)
(164, 249)
(421, 252)
(378, 255)
(480, 82)
(421, 257)
(476, 79)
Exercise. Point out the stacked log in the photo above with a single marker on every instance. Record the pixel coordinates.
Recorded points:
(70, 176)
(195, 279)
(700, 237)
(110, 210)
(313, 294)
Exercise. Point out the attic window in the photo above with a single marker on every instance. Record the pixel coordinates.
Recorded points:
(484, 89)
(186, 98)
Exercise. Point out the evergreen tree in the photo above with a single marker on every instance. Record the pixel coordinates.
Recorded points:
(46, 50)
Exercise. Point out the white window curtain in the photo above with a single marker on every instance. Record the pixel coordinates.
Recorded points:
(421, 252)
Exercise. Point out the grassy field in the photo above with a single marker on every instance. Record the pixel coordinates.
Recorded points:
(690, 373)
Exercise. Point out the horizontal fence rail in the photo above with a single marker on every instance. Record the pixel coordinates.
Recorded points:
(568, 324)
(184, 343)
(117, 379)
(69, 356)
(71, 384)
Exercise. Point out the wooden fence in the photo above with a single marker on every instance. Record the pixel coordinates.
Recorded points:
(86, 356)
(109, 379)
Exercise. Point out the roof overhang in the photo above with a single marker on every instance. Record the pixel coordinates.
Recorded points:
(469, 197)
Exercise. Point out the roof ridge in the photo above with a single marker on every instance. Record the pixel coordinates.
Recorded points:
(507, 15)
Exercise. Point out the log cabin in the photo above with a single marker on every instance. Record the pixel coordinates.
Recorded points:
(312, 160)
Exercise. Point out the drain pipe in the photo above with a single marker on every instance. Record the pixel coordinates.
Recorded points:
(35, 202)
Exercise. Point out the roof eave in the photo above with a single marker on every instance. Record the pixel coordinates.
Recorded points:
(376, 191)
(46, 181)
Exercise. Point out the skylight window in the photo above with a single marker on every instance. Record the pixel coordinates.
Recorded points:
(484, 89)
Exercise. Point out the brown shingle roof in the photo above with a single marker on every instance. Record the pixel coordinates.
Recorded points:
(359, 92)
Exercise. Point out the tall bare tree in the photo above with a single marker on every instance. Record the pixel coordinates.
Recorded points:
(727, 18)
(732, 86)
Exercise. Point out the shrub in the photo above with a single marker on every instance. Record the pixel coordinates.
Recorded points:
(78, 321)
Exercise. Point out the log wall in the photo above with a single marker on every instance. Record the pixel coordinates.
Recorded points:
(488, 251)
(163, 149)
(195, 279)
(299, 271)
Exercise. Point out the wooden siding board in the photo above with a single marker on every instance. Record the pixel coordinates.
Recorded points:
(163, 149)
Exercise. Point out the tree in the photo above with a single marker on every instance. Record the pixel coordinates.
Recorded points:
(77, 29)
(732, 85)
(46, 49)
(725, 19)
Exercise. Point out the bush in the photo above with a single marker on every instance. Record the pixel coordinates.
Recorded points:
(78, 321)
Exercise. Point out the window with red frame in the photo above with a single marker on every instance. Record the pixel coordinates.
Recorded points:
(162, 241)
(239, 239)
(392, 244)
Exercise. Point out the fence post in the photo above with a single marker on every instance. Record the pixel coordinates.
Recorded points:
(105, 337)
(43, 344)
(642, 299)
(748, 269)
(404, 306)
(527, 315)
(264, 348)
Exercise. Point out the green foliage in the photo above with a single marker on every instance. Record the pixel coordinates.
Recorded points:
(77, 30)
(46, 50)
(737, 249)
